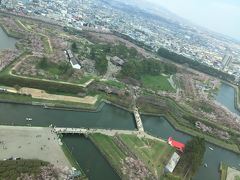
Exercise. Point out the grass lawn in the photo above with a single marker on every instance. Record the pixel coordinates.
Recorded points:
(116, 84)
(46, 44)
(237, 177)
(223, 170)
(156, 83)
(153, 153)
(85, 79)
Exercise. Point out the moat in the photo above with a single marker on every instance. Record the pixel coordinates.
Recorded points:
(109, 117)
(6, 42)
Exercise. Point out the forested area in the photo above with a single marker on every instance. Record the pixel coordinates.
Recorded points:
(194, 64)
(137, 68)
(99, 54)
(192, 157)
(11, 169)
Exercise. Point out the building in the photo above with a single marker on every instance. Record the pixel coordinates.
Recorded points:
(117, 61)
(73, 61)
(75, 64)
(178, 145)
(226, 61)
(69, 54)
(169, 168)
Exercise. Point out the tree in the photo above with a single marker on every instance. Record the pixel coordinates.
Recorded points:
(194, 64)
(43, 64)
(17, 87)
(192, 157)
(101, 64)
(74, 47)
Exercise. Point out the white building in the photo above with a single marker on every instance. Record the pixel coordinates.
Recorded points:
(75, 64)
(72, 59)
(172, 163)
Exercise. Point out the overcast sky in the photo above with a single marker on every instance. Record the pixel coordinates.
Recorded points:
(219, 15)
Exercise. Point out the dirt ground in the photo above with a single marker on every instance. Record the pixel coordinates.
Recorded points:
(40, 94)
(32, 143)
(232, 174)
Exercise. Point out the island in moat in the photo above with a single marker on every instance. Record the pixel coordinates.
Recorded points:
(59, 67)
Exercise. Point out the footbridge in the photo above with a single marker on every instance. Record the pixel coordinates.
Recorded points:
(109, 132)
(138, 120)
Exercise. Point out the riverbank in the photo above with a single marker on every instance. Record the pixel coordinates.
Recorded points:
(49, 104)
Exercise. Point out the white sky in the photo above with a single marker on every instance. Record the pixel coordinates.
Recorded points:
(219, 15)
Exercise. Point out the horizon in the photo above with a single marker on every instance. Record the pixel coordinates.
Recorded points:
(220, 16)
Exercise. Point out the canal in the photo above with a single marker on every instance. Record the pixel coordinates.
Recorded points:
(5, 41)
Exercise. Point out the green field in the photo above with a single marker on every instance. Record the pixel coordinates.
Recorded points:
(156, 83)
(116, 84)
(153, 153)
(223, 170)
(85, 79)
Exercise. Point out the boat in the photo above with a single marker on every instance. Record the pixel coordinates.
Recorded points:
(29, 119)
(205, 165)
(210, 148)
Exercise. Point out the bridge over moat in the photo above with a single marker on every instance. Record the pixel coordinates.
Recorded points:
(109, 132)
(138, 120)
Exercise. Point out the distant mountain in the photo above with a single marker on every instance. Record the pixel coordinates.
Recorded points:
(151, 8)
(156, 12)
(131, 7)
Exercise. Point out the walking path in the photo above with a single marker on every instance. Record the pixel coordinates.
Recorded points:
(41, 94)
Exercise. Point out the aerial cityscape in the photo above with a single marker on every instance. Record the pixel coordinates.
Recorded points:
(110, 89)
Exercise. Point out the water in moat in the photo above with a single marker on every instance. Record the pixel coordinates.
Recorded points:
(226, 96)
(5, 41)
(109, 117)
(94, 165)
